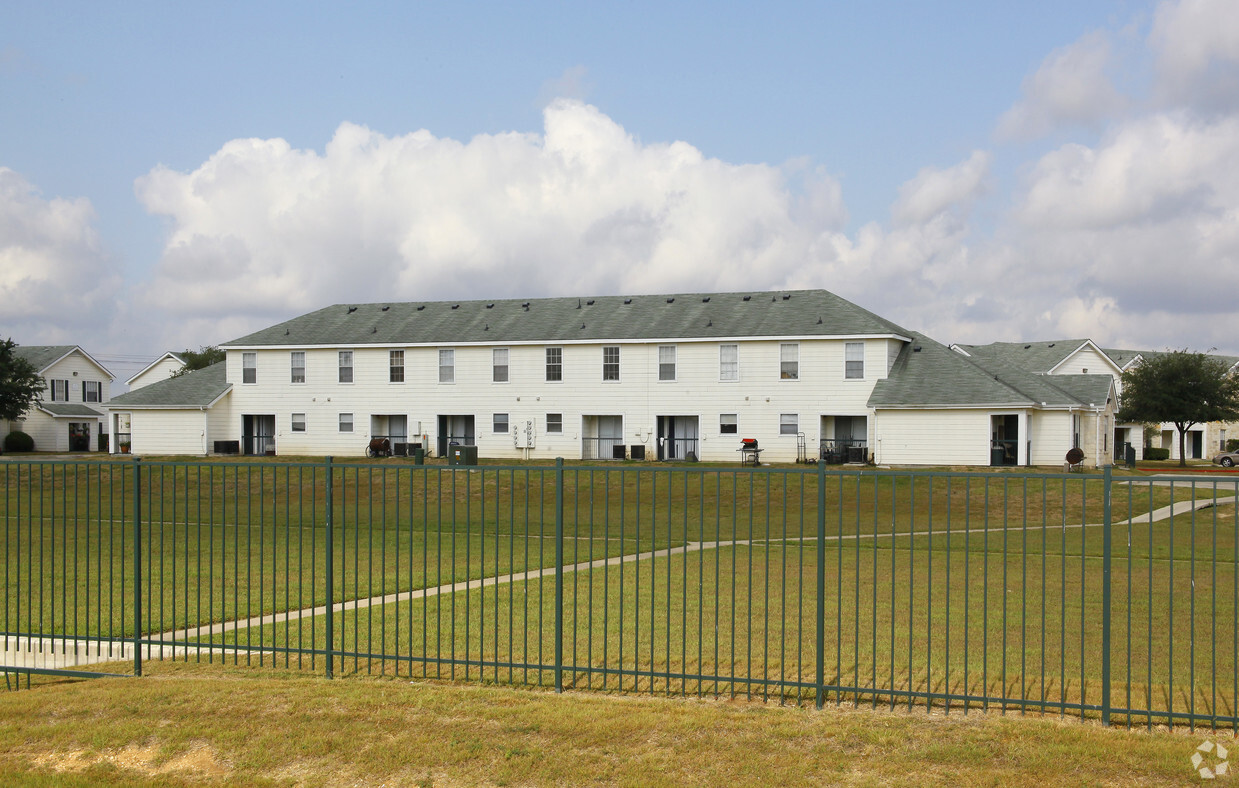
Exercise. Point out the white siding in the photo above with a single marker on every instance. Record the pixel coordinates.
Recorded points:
(1086, 361)
(639, 396)
(167, 431)
(932, 437)
(162, 370)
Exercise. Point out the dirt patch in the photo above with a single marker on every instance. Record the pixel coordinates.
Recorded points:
(200, 760)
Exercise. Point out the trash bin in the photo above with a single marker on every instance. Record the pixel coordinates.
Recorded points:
(462, 455)
(419, 455)
(1129, 454)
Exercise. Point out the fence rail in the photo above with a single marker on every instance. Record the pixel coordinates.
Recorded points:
(1089, 595)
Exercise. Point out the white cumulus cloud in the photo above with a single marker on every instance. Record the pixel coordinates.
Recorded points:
(1072, 87)
(56, 282)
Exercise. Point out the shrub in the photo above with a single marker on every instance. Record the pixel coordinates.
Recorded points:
(1156, 454)
(18, 441)
(1232, 444)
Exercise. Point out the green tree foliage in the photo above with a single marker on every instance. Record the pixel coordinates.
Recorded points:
(1181, 387)
(205, 356)
(20, 384)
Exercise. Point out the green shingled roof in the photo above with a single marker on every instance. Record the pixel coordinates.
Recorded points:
(927, 374)
(1031, 356)
(195, 389)
(1124, 357)
(66, 410)
(600, 318)
(42, 356)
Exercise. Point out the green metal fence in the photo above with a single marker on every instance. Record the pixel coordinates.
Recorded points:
(1080, 594)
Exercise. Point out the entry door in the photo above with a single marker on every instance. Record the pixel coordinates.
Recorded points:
(79, 436)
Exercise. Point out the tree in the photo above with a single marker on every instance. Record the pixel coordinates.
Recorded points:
(203, 357)
(20, 384)
(1181, 387)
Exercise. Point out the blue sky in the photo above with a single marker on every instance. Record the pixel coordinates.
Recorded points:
(168, 175)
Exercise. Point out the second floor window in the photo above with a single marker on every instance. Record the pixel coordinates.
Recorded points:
(92, 391)
(60, 391)
(447, 366)
(789, 361)
(554, 364)
(854, 360)
(666, 362)
(395, 366)
(249, 367)
(346, 366)
(499, 365)
(610, 362)
(728, 362)
(298, 366)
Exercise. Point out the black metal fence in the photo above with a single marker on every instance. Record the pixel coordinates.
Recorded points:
(1076, 594)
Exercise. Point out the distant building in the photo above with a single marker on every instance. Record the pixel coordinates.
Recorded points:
(69, 416)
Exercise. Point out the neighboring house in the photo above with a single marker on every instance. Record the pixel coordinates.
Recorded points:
(669, 376)
(1202, 440)
(174, 415)
(161, 368)
(969, 406)
(69, 417)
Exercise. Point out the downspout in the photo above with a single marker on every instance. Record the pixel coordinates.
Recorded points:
(205, 437)
(1096, 434)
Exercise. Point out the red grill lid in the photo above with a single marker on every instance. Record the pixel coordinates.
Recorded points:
(749, 441)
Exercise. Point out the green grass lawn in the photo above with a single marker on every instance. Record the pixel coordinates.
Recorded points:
(979, 585)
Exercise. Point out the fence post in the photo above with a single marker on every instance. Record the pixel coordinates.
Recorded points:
(1107, 481)
(821, 582)
(137, 566)
(331, 540)
(559, 573)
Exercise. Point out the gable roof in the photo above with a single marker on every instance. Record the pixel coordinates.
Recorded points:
(928, 374)
(43, 356)
(200, 388)
(155, 363)
(796, 313)
(1124, 358)
(1042, 357)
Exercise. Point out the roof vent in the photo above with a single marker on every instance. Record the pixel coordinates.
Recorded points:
(1051, 344)
(590, 302)
(487, 328)
(670, 300)
(578, 303)
(773, 299)
(374, 330)
(787, 296)
(627, 300)
(916, 348)
(746, 298)
(352, 309)
(582, 325)
(386, 308)
(420, 307)
(1026, 347)
(709, 323)
(490, 306)
(705, 300)
(819, 321)
(455, 306)
(286, 332)
(525, 306)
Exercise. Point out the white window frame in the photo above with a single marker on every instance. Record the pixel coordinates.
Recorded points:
(293, 358)
(249, 367)
(64, 390)
(395, 372)
(728, 369)
(500, 369)
(611, 350)
(735, 424)
(554, 368)
(344, 376)
(789, 423)
(297, 422)
(850, 351)
(666, 363)
(92, 387)
(500, 423)
(346, 422)
(555, 425)
(789, 361)
(447, 365)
